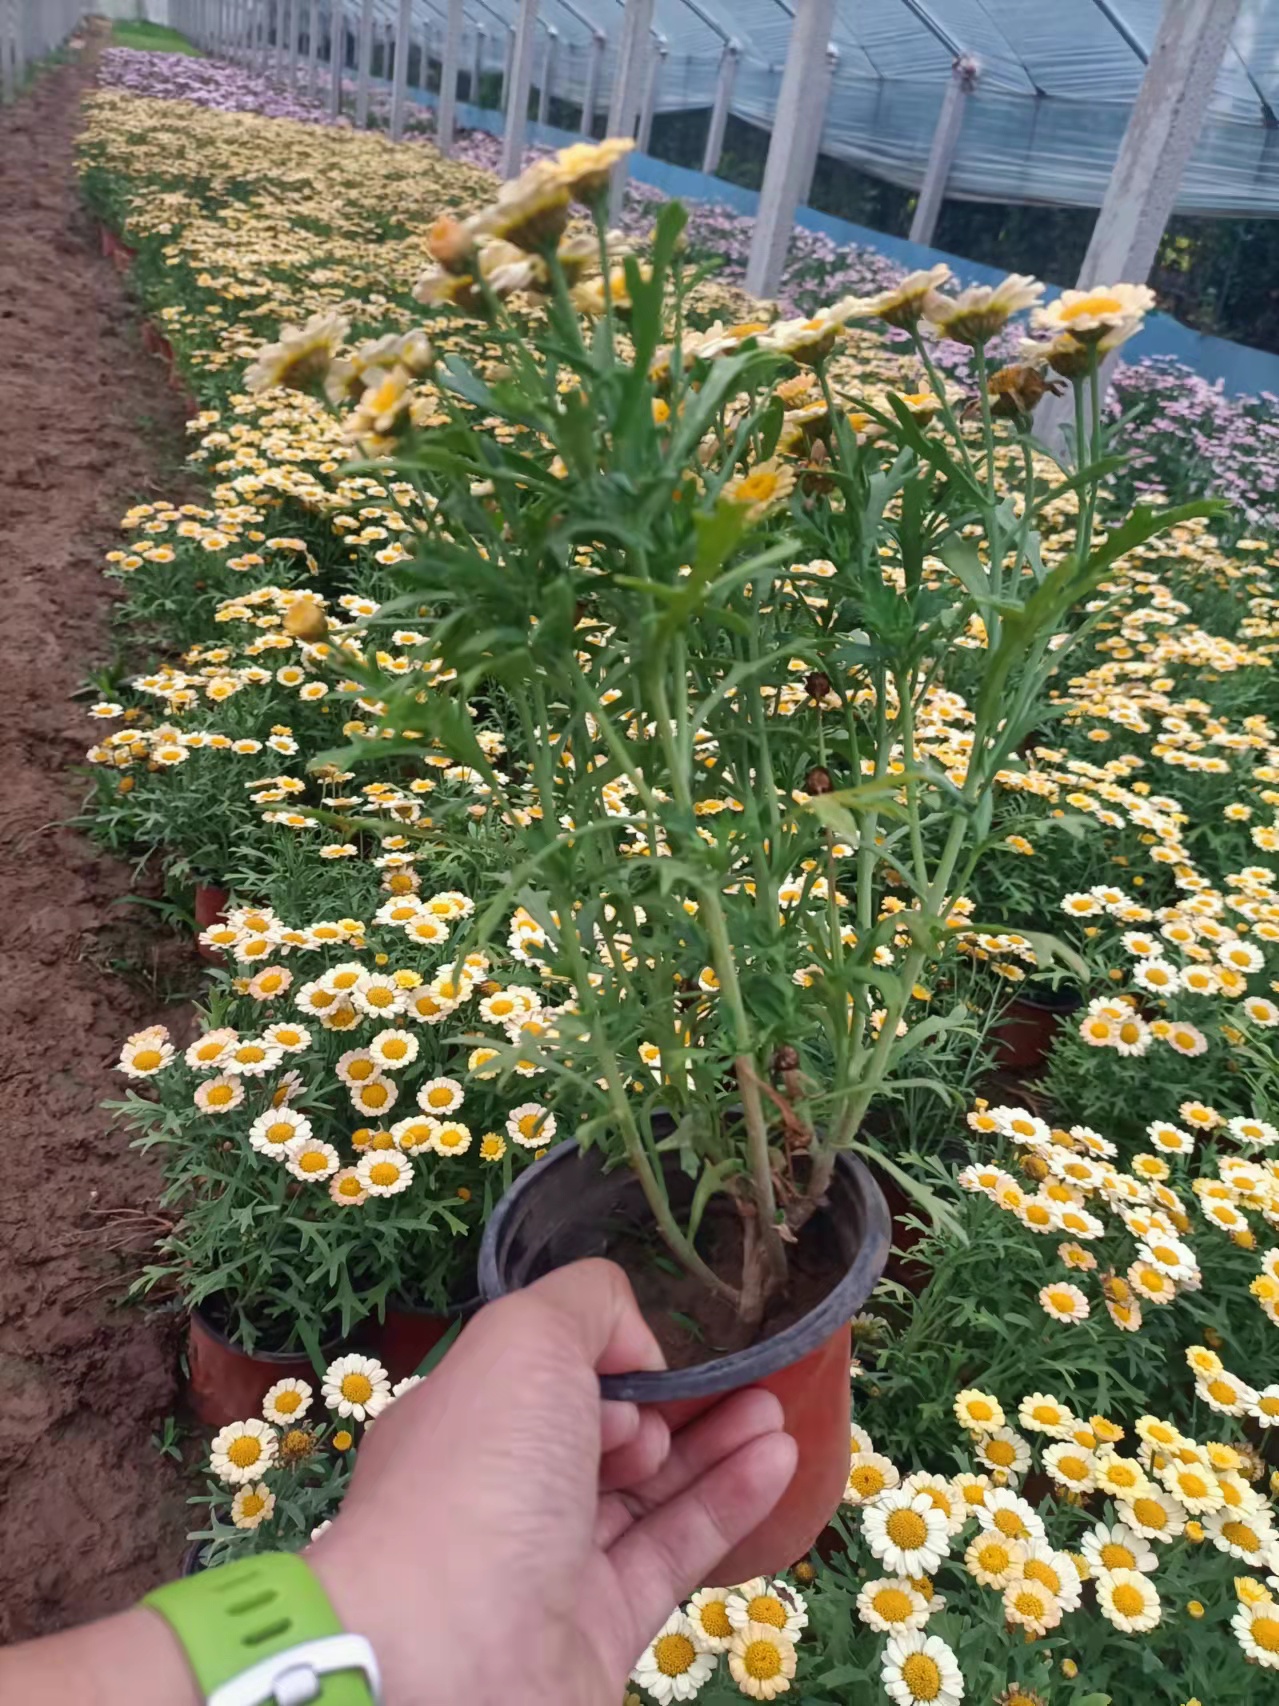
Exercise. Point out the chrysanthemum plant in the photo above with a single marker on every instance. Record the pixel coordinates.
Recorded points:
(686, 639)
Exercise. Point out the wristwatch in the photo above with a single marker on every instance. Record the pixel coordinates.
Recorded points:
(263, 1633)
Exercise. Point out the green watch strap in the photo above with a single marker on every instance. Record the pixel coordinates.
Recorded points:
(233, 1617)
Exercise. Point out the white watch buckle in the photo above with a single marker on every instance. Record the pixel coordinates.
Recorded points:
(295, 1676)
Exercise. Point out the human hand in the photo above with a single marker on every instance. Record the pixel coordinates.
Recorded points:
(508, 1536)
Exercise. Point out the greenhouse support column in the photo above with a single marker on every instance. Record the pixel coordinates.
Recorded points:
(932, 192)
(508, 60)
(817, 125)
(364, 65)
(723, 101)
(787, 157)
(280, 27)
(449, 69)
(628, 88)
(477, 65)
(400, 76)
(337, 55)
(594, 70)
(424, 60)
(313, 50)
(295, 40)
(548, 76)
(1162, 132)
(8, 50)
(516, 92)
(656, 64)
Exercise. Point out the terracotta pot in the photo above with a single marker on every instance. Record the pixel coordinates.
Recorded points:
(562, 1208)
(407, 1335)
(210, 909)
(227, 1384)
(1025, 1031)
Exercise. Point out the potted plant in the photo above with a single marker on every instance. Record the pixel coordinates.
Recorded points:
(692, 620)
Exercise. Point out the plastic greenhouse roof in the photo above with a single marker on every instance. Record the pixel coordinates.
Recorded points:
(1057, 80)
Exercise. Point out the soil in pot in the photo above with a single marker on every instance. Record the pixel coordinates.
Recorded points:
(565, 1208)
(227, 1384)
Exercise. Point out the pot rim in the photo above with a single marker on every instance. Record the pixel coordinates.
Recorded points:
(756, 1362)
(197, 1318)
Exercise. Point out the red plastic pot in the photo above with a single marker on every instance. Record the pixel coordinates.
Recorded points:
(558, 1211)
(1028, 1026)
(227, 1384)
(403, 1338)
(210, 909)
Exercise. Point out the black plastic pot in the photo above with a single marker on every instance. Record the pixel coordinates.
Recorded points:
(565, 1208)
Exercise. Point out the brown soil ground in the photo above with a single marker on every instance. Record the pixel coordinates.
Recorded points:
(90, 1513)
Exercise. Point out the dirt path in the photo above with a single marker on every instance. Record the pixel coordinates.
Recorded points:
(90, 1514)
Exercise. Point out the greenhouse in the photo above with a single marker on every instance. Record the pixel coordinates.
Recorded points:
(642, 853)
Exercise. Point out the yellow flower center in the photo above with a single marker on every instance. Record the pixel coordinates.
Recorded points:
(219, 1095)
(1269, 1406)
(993, 1557)
(1222, 1391)
(1072, 1469)
(757, 487)
(361, 1070)
(281, 1131)
(384, 1173)
(1128, 1601)
(674, 1654)
(907, 1529)
(357, 1388)
(762, 1661)
(1048, 1415)
(147, 1059)
(767, 1608)
(244, 1452)
(249, 1054)
(343, 1440)
(1239, 1534)
(714, 1619)
(374, 1096)
(349, 1187)
(1265, 1632)
(893, 1605)
(1117, 1557)
(867, 1480)
(1028, 1604)
(1010, 1524)
(1040, 1570)
(379, 997)
(980, 1410)
(287, 1037)
(1001, 1452)
(251, 1504)
(287, 1402)
(1121, 1475)
(922, 1676)
(528, 1124)
(1150, 1513)
(313, 1161)
(1193, 1486)
(440, 1097)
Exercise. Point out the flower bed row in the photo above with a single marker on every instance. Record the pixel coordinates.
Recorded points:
(393, 1033)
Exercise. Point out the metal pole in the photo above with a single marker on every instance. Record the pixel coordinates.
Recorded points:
(628, 88)
(594, 70)
(656, 62)
(548, 76)
(477, 66)
(400, 80)
(950, 120)
(337, 56)
(723, 103)
(517, 90)
(778, 198)
(279, 39)
(448, 77)
(817, 124)
(313, 49)
(295, 40)
(1163, 129)
(508, 60)
(364, 59)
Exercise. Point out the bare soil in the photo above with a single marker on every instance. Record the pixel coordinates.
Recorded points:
(90, 1514)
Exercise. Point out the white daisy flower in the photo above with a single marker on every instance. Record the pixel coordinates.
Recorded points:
(1129, 1600)
(1115, 1546)
(252, 1506)
(906, 1532)
(707, 1611)
(869, 1475)
(393, 1049)
(675, 1664)
(919, 1667)
(994, 1561)
(761, 1661)
(1012, 1516)
(1256, 1628)
(530, 1125)
(384, 1172)
(780, 1606)
(892, 1603)
(310, 1160)
(440, 1096)
(274, 1132)
(242, 1451)
(287, 1401)
(356, 1386)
